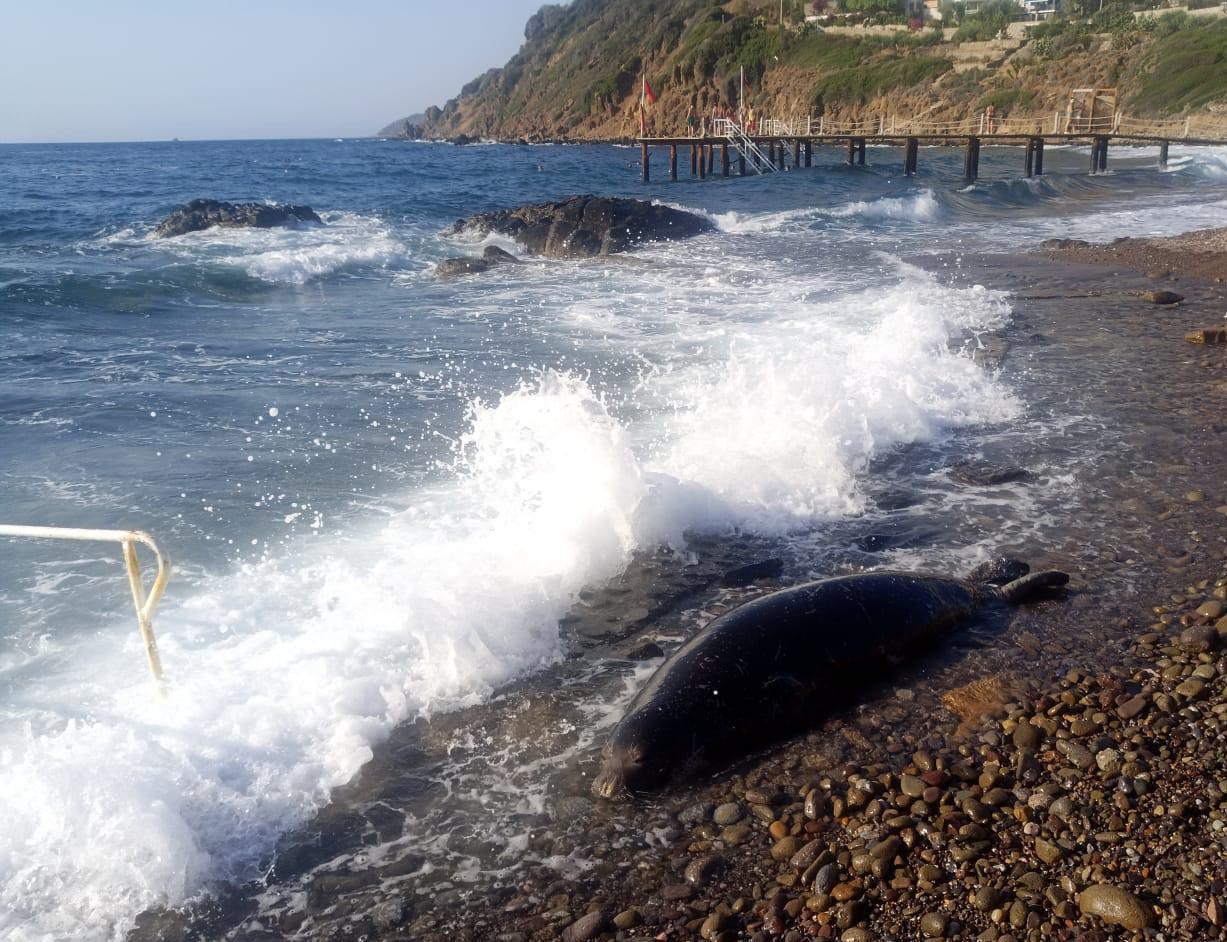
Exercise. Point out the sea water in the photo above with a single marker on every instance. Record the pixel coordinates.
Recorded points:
(382, 491)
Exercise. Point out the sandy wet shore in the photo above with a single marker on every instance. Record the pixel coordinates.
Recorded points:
(1062, 776)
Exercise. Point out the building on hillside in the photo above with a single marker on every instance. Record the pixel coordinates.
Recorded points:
(1027, 9)
(1042, 9)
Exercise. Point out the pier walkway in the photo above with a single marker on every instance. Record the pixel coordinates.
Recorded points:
(765, 148)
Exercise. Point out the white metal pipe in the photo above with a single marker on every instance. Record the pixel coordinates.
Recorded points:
(143, 602)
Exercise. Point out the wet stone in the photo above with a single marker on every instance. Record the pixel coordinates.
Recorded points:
(586, 927)
(1115, 905)
(728, 813)
(826, 879)
(934, 924)
(702, 870)
(627, 919)
(1133, 707)
(695, 814)
(911, 786)
(806, 855)
(784, 848)
(1026, 736)
(1047, 851)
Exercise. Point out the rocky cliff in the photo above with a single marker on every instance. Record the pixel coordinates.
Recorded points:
(578, 73)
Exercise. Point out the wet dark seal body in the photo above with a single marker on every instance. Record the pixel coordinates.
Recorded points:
(770, 665)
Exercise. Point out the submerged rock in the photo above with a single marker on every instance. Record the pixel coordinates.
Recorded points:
(205, 214)
(1162, 297)
(986, 475)
(745, 575)
(469, 265)
(587, 226)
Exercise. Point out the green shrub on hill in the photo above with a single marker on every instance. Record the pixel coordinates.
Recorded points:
(1184, 69)
(859, 84)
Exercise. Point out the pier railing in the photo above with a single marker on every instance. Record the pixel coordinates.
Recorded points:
(1016, 125)
(144, 601)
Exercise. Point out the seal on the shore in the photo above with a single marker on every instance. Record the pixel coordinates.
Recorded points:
(765, 668)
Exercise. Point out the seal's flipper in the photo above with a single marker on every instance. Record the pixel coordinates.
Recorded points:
(1038, 585)
(999, 571)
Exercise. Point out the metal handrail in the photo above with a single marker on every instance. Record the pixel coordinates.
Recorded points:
(742, 142)
(145, 603)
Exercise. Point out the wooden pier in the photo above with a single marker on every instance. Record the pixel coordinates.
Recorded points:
(768, 151)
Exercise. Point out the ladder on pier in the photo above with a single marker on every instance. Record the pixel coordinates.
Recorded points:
(726, 127)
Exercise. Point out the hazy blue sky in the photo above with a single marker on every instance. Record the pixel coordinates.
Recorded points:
(105, 70)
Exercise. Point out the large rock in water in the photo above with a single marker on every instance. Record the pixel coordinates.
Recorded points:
(587, 226)
(205, 214)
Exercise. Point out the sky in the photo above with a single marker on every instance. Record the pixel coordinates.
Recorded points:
(139, 70)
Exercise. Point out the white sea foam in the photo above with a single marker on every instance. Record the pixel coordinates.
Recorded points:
(920, 207)
(295, 255)
(739, 222)
(777, 434)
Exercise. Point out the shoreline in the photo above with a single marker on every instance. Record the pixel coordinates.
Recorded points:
(740, 856)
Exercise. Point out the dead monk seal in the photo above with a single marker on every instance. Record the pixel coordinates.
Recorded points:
(766, 668)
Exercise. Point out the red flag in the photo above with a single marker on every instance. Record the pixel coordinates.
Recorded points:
(648, 95)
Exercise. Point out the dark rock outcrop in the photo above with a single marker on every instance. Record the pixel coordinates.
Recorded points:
(1162, 297)
(987, 475)
(467, 265)
(587, 226)
(205, 214)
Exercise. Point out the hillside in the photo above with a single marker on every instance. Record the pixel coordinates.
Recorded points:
(577, 74)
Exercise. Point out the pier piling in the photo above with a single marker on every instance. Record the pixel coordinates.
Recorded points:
(809, 153)
(1029, 158)
(694, 160)
(702, 162)
(860, 151)
(971, 160)
(724, 160)
(851, 151)
(1103, 154)
(741, 163)
(1163, 153)
(796, 153)
(647, 176)
(1039, 156)
(673, 162)
(911, 156)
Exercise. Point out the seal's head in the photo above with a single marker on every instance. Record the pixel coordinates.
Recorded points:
(634, 760)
